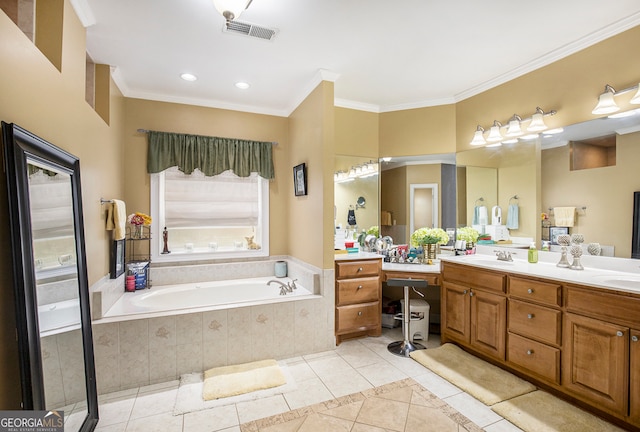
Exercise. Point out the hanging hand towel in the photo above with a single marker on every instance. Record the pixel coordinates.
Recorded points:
(480, 216)
(117, 219)
(512, 216)
(564, 216)
(351, 217)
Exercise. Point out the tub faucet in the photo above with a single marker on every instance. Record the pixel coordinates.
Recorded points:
(283, 287)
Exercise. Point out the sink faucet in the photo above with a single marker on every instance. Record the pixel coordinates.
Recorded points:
(504, 255)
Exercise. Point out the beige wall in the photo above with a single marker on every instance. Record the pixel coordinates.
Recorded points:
(356, 133)
(51, 103)
(171, 117)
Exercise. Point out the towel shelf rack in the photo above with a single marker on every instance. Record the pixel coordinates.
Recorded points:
(580, 208)
(105, 201)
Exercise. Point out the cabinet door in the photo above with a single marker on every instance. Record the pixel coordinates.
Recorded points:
(455, 312)
(595, 362)
(634, 393)
(488, 323)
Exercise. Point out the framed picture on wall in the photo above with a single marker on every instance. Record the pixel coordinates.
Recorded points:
(300, 179)
(554, 232)
(117, 258)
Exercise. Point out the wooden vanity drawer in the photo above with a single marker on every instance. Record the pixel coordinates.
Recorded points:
(534, 321)
(539, 358)
(532, 290)
(615, 307)
(357, 317)
(474, 277)
(351, 269)
(360, 290)
(432, 279)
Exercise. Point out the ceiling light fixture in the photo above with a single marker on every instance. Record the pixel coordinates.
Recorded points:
(606, 101)
(231, 9)
(242, 85)
(188, 77)
(514, 129)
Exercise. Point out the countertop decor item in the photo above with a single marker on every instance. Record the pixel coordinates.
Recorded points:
(564, 240)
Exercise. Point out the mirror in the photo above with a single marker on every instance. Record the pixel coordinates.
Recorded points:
(355, 198)
(407, 183)
(603, 195)
(50, 279)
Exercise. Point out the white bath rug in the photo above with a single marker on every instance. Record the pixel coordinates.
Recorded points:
(190, 398)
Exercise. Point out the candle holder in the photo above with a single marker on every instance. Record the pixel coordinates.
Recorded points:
(564, 240)
(576, 251)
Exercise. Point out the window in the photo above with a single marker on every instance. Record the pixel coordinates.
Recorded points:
(224, 216)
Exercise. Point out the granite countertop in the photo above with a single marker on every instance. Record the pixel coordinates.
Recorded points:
(617, 274)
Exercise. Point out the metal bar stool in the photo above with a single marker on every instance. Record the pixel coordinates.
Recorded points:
(405, 347)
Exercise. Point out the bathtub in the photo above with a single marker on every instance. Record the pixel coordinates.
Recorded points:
(59, 317)
(202, 296)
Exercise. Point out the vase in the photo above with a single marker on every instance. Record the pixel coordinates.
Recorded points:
(471, 248)
(430, 251)
(136, 231)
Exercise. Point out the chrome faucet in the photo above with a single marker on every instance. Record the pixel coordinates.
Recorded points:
(504, 255)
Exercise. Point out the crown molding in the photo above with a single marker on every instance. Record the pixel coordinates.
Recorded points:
(321, 75)
(360, 106)
(84, 12)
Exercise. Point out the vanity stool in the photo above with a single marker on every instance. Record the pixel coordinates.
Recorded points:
(405, 347)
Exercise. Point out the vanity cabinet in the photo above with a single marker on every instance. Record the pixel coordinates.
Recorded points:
(474, 311)
(535, 327)
(358, 293)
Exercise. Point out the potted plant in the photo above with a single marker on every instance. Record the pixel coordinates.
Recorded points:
(429, 239)
(469, 235)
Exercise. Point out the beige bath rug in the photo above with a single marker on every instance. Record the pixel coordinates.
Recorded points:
(486, 382)
(542, 412)
(233, 380)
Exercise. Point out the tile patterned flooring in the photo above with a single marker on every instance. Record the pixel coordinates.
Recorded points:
(353, 367)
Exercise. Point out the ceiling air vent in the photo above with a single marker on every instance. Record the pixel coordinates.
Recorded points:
(251, 30)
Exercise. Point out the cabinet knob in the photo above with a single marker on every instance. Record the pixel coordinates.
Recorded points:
(359, 287)
(471, 294)
(530, 290)
(530, 316)
(465, 291)
(634, 338)
(619, 333)
(360, 313)
(359, 269)
(529, 352)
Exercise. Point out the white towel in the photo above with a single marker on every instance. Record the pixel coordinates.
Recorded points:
(483, 218)
(564, 216)
(117, 219)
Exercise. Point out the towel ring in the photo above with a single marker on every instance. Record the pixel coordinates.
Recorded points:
(479, 199)
(515, 197)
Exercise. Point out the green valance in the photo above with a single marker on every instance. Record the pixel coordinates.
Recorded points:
(211, 155)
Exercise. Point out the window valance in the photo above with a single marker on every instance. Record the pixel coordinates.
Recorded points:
(211, 155)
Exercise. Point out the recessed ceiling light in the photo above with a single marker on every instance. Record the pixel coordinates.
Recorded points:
(188, 77)
(243, 85)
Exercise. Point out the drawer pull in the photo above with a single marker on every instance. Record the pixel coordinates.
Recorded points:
(359, 287)
(619, 333)
(634, 338)
(360, 313)
(530, 290)
(530, 316)
(529, 352)
(359, 269)
(465, 291)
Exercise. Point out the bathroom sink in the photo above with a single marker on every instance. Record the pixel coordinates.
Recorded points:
(622, 281)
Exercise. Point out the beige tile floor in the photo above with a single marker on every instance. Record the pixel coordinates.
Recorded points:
(355, 366)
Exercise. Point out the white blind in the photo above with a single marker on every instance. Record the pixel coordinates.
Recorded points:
(198, 201)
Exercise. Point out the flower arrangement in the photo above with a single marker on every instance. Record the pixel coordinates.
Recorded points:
(423, 236)
(374, 230)
(138, 219)
(468, 234)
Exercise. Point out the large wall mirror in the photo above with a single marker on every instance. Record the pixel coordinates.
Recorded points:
(50, 279)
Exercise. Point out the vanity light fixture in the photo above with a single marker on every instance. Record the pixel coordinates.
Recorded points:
(494, 133)
(478, 138)
(537, 121)
(606, 101)
(368, 169)
(514, 129)
(231, 9)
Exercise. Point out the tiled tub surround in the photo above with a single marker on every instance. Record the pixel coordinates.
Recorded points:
(139, 351)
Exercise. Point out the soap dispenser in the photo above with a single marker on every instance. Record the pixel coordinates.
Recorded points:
(533, 253)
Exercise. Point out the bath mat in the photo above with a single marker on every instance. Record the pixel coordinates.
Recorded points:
(540, 411)
(233, 380)
(189, 397)
(486, 382)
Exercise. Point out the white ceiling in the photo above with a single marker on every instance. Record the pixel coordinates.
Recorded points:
(383, 55)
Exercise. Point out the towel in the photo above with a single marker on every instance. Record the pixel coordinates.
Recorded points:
(512, 216)
(480, 215)
(117, 219)
(564, 216)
